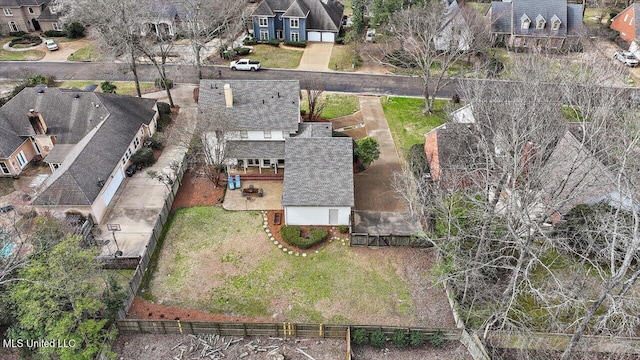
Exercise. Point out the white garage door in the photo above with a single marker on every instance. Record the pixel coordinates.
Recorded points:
(328, 37)
(113, 186)
(314, 36)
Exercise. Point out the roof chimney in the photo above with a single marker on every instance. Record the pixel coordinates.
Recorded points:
(37, 122)
(228, 95)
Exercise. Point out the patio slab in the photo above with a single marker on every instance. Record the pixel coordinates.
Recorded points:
(272, 199)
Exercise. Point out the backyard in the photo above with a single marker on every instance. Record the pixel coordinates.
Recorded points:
(222, 262)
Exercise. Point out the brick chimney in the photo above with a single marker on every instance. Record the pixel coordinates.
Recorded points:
(37, 122)
(228, 95)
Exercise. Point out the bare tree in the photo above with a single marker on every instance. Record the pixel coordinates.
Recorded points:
(315, 99)
(510, 176)
(206, 20)
(118, 25)
(431, 40)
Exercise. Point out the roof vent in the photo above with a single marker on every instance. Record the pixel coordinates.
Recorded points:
(40, 91)
(100, 183)
(77, 96)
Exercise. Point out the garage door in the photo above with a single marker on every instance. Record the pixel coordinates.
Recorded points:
(314, 36)
(328, 37)
(113, 186)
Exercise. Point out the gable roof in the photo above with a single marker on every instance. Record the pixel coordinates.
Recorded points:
(257, 104)
(634, 9)
(100, 148)
(502, 13)
(321, 14)
(319, 172)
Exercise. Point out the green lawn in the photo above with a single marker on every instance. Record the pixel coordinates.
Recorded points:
(338, 105)
(28, 55)
(222, 262)
(342, 58)
(481, 8)
(86, 53)
(275, 57)
(596, 16)
(123, 87)
(407, 120)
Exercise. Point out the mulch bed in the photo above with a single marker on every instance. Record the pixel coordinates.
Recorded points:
(304, 231)
(197, 191)
(142, 309)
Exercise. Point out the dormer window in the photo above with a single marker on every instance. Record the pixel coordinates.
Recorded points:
(525, 22)
(555, 23)
(540, 22)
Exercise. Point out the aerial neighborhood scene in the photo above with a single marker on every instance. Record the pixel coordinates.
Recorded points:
(320, 179)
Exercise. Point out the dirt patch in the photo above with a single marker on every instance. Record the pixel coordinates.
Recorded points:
(197, 191)
(451, 350)
(142, 309)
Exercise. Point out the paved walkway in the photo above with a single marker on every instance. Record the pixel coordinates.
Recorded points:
(139, 201)
(316, 57)
(374, 186)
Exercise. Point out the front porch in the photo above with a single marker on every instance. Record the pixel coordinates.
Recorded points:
(257, 167)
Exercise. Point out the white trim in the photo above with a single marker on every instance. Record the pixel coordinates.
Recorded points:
(264, 35)
(297, 36)
(13, 27)
(7, 12)
(30, 10)
(56, 26)
(4, 168)
(263, 22)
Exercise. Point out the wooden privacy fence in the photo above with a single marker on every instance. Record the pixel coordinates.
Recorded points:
(559, 342)
(364, 239)
(266, 329)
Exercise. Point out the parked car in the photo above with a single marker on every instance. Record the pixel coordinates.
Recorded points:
(6, 209)
(371, 34)
(626, 57)
(131, 170)
(245, 64)
(51, 45)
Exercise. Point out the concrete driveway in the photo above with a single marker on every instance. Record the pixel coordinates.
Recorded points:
(139, 201)
(374, 186)
(316, 57)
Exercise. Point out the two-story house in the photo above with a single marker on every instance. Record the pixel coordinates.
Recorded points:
(25, 15)
(86, 138)
(297, 20)
(544, 24)
(257, 124)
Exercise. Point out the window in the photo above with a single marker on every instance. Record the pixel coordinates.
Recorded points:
(555, 23)
(263, 22)
(266, 162)
(525, 22)
(295, 36)
(280, 162)
(56, 26)
(293, 22)
(267, 134)
(7, 12)
(124, 161)
(30, 10)
(244, 134)
(540, 22)
(13, 26)
(22, 160)
(264, 35)
(4, 168)
(136, 142)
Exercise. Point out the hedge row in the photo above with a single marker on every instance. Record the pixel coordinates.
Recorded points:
(291, 235)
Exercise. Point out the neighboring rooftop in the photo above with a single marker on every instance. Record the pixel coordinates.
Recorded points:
(319, 172)
(257, 104)
(506, 17)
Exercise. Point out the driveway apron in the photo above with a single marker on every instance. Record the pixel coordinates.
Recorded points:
(374, 186)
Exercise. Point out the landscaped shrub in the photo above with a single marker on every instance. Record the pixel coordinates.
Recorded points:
(274, 42)
(162, 84)
(242, 51)
(249, 40)
(303, 112)
(399, 339)
(75, 30)
(300, 44)
(108, 87)
(39, 79)
(163, 121)
(436, 339)
(163, 107)
(156, 141)
(55, 33)
(26, 40)
(378, 339)
(343, 229)
(416, 339)
(318, 235)
(418, 161)
(143, 157)
(17, 33)
(291, 235)
(360, 337)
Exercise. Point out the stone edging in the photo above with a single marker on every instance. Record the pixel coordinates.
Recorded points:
(283, 247)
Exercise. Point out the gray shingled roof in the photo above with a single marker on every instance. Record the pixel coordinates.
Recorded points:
(319, 172)
(99, 151)
(321, 16)
(257, 104)
(46, 15)
(320, 129)
(254, 149)
(570, 16)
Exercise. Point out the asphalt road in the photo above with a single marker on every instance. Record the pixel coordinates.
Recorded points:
(333, 81)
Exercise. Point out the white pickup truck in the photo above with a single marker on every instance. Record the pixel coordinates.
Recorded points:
(245, 64)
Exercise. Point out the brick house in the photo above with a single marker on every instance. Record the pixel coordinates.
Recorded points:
(28, 15)
(626, 22)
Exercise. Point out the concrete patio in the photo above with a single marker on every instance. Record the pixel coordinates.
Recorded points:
(272, 199)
